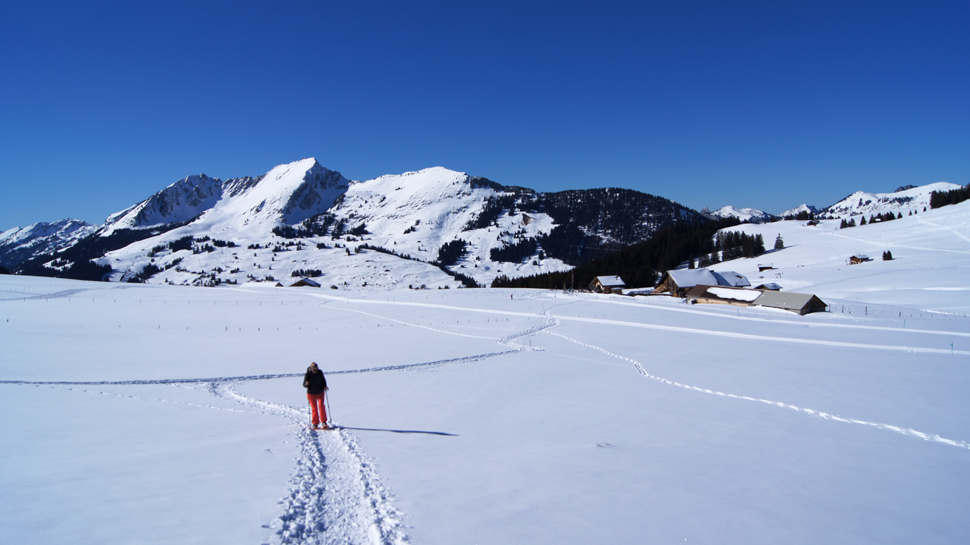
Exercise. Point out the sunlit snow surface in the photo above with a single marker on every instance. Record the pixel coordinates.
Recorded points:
(156, 414)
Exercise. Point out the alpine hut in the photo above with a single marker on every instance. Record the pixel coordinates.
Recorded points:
(607, 284)
(731, 278)
(723, 295)
(305, 282)
(678, 282)
(802, 303)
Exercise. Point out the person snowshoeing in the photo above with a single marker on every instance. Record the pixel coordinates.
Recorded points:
(316, 388)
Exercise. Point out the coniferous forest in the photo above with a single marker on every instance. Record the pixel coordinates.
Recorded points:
(944, 198)
(641, 264)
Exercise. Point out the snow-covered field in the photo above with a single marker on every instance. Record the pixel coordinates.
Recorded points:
(161, 414)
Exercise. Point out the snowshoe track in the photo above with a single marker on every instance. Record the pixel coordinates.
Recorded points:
(812, 412)
(336, 497)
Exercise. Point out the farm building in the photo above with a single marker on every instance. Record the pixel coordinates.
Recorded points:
(722, 295)
(770, 286)
(859, 258)
(802, 303)
(731, 278)
(679, 282)
(306, 282)
(607, 284)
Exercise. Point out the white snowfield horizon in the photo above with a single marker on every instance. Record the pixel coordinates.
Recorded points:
(144, 413)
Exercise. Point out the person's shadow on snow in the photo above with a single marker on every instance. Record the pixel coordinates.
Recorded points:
(399, 431)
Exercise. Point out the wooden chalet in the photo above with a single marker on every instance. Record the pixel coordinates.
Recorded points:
(731, 278)
(769, 286)
(802, 303)
(680, 281)
(859, 258)
(723, 295)
(305, 282)
(607, 284)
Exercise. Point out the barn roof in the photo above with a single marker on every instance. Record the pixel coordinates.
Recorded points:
(787, 300)
(723, 293)
(768, 286)
(688, 278)
(731, 278)
(611, 281)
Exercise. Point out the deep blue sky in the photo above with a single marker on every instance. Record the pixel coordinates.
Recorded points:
(768, 104)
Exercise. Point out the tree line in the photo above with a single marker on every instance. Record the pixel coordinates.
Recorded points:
(954, 196)
(640, 264)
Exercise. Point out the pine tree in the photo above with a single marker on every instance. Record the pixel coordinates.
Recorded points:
(779, 243)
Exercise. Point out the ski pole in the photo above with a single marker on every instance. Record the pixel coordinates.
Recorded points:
(326, 397)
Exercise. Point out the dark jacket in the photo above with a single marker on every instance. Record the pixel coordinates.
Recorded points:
(316, 382)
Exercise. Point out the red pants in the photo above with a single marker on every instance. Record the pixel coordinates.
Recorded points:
(318, 411)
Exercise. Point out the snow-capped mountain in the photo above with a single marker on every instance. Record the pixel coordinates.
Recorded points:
(287, 194)
(902, 200)
(431, 227)
(805, 209)
(417, 213)
(434, 227)
(182, 201)
(750, 215)
(20, 245)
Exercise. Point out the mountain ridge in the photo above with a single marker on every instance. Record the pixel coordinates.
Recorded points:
(434, 226)
(446, 228)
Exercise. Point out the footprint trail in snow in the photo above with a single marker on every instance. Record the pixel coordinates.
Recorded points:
(336, 495)
(827, 416)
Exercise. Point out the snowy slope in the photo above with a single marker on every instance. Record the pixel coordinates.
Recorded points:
(904, 201)
(182, 201)
(415, 213)
(175, 414)
(411, 215)
(285, 195)
(930, 250)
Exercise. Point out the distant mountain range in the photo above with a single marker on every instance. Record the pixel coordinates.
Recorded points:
(750, 215)
(433, 228)
(858, 203)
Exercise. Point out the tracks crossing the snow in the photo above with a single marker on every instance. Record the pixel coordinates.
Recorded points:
(336, 496)
(812, 412)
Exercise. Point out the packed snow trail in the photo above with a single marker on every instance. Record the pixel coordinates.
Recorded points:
(336, 497)
(827, 416)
